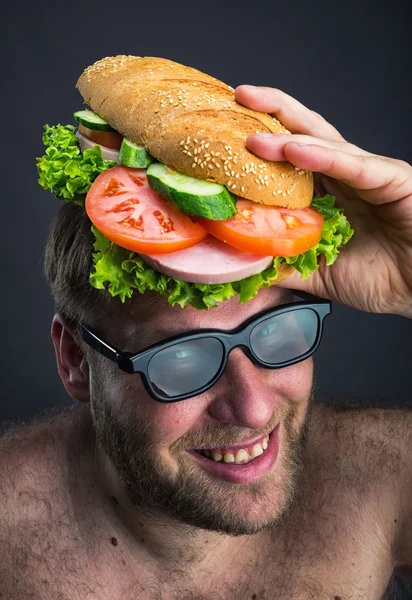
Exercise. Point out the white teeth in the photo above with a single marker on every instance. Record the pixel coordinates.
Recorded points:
(228, 457)
(257, 450)
(216, 456)
(242, 456)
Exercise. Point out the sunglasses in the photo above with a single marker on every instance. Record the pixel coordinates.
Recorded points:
(188, 364)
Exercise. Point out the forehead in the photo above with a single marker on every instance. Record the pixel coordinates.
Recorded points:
(150, 318)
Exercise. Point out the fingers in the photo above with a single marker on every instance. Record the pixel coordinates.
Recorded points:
(376, 179)
(271, 145)
(291, 113)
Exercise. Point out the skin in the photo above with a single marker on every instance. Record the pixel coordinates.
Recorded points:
(373, 273)
(375, 191)
(168, 496)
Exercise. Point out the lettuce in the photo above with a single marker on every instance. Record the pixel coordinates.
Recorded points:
(70, 173)
(124, 271)
(65, 169)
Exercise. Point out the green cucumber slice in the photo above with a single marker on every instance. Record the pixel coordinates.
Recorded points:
(132, 155)
(90, 119)
(191, 195)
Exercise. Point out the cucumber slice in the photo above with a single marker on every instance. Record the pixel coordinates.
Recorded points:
(191, 195)
(90, 119)
(133, 155)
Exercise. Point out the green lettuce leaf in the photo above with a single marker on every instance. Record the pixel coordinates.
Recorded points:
(69, 173)
(65, 169)
(121, 271)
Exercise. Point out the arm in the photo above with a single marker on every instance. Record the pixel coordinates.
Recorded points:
(374, 271)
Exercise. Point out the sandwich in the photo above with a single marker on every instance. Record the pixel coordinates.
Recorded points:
(176, 201)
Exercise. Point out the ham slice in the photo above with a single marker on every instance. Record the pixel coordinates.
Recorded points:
(108, 153)
(210, 261)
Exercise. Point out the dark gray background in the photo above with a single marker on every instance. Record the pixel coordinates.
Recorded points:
(349, 62)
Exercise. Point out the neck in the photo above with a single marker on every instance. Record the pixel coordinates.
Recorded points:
(154, 536)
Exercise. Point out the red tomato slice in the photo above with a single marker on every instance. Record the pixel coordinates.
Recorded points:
(110, 139)
(268, 230)
(127, 211)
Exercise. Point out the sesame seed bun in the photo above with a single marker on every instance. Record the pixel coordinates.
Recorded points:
(191, 122)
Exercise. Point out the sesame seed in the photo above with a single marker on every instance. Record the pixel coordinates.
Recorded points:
(242, 189)
(193, 165)
(181, 143)
(210, 166)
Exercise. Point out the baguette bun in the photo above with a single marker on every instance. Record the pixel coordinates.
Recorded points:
(191, 122)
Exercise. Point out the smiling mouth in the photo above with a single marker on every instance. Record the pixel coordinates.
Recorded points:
(238, 456)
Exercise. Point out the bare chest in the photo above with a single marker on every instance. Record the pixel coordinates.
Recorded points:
(320, 556)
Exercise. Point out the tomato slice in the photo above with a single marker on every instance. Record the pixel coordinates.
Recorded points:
(110, 139)
(268, 230)
(127, 211)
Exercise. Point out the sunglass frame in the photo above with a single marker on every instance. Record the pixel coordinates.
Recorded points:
(238, 337)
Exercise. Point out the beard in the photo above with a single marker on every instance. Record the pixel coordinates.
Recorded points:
(188, 494)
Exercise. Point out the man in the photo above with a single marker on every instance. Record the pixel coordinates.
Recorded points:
(112, 501)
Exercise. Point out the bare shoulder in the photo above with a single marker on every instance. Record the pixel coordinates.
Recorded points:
(37, 460)
(36, 471)
(365, 453)
(375, 442)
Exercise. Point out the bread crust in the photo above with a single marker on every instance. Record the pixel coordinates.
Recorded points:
(191, 122)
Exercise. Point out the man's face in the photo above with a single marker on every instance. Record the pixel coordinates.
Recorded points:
(148, 441)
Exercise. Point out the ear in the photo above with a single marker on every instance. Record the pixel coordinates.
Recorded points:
(71, 362)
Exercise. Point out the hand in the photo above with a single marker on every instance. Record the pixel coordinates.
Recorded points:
(373, 272)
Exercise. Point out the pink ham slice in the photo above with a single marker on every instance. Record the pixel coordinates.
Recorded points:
(210, 261)
(108, 153)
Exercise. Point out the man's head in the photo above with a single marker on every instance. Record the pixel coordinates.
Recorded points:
(147, 441)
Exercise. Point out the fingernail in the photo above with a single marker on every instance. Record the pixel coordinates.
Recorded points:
(247, 85)
(262, 136)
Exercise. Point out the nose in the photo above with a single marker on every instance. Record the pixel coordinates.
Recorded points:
(242, 396)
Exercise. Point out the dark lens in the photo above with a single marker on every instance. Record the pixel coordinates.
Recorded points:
(286, 336)
(185, 367)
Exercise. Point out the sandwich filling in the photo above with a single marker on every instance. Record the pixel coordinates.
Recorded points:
(146, 241)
